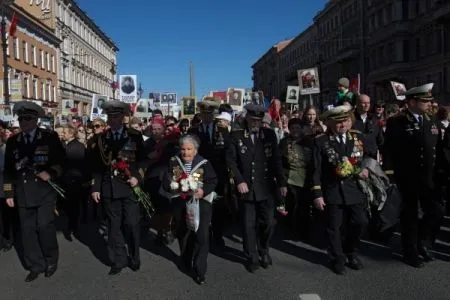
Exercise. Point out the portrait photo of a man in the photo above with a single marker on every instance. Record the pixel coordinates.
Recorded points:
(98, 109)
(235, 98)
(292, 94)
(127, 85)
(67, 106)
(258, 98)
(188, 106)
(141, 107)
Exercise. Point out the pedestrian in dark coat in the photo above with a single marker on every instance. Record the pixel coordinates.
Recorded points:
(115, 175)
(194, 243)
(410, 159)
(33, 160)
(254, 159)
(337, 160)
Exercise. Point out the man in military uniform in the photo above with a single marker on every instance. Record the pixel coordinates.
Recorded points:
(255, 163)
(367, 124)
(213, 139)
(337, 166)
(33, 159)
(115, 173)
(410, 159)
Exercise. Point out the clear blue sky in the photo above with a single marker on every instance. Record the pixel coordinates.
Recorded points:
(223, 38)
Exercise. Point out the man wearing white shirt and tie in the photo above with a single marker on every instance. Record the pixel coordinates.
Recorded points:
(411, 149)
(337, 165)
(33, 158)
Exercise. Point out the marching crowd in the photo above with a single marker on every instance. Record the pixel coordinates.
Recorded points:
(352, 166)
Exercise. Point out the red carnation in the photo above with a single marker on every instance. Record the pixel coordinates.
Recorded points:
(122, 165)
(353, 160)
(184, 176)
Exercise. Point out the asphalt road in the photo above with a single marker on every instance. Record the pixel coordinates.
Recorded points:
(298, 269)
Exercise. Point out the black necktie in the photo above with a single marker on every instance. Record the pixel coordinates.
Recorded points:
(116, 135)
(342, 139)
(420, 118)
(27, 139)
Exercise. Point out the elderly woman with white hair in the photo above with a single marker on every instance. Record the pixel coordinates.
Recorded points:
(191, 181)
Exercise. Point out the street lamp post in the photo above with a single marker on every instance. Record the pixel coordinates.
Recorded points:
(3, 4)
(113, 84)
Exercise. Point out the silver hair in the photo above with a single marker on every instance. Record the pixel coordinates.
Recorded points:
(191, 139)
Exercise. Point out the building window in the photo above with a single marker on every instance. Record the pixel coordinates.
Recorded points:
(53, 64)
(33, 52)
(43, 92)
(42, 59)
(26, 85)
(47, 58)
(54, 93)
(7, 43)
(49, 91)
(35, 88)
(16, 48)
(25, 52)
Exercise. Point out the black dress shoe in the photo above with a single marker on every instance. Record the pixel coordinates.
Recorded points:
(51, 269)
(114, 271)
(338, 267)
(355, 263)
(413, 262)
(32, 276)
(200, 279)
(426, 254)
(266, 261)
(251, 267)
(135, 265)
(219, 242)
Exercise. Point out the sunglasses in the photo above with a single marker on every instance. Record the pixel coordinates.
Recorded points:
(97, 126)
(26, 118)
(170, 125)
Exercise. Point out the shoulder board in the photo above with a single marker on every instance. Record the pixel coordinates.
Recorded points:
(355, 131)
(133, 131)
(319, 135)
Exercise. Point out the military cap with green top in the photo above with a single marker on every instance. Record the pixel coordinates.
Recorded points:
(338, 113)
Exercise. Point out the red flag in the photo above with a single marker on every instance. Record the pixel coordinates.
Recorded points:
(13, 26)
(355, 84)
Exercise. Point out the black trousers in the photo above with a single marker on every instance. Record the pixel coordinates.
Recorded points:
(420, 220)
(194, 246)
(123, 216)
(258, 223)
(345, 225)
(75, 195)
(299, 209)
(39, 236)
(9, 223)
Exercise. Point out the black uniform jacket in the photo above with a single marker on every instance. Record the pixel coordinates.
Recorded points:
(373, 134)
(257, 164)
(106, 151)
(410, 150)
(75, 166)
(22, 162)
(326, 183)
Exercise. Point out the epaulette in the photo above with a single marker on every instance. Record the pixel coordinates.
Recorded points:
(319, 135)
(133, 131)
(355, 131)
